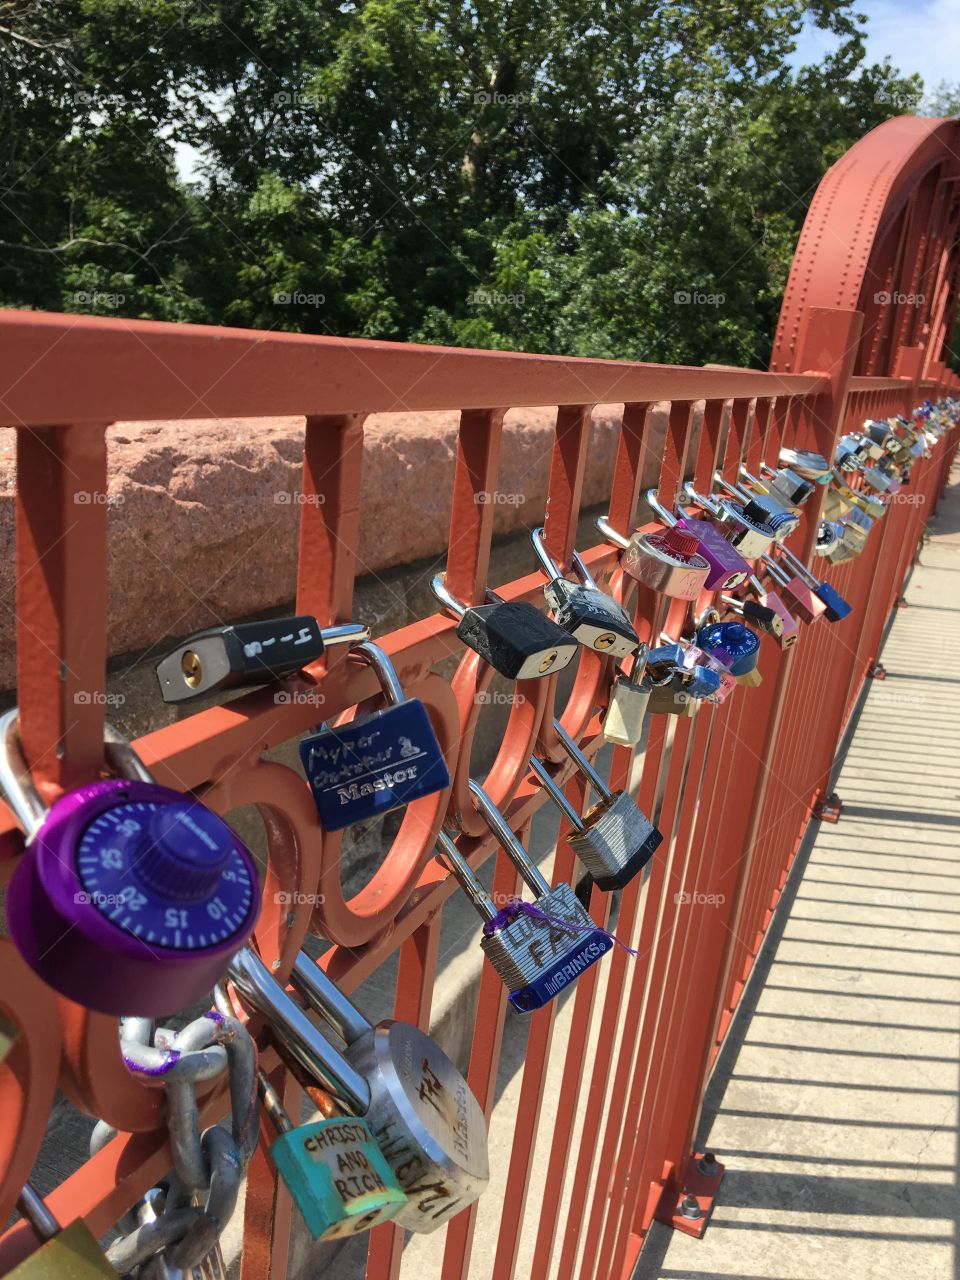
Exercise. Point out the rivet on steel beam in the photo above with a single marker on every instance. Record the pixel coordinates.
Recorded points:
(707, 1165)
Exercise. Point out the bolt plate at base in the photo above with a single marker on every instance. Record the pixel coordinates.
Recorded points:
(828, 808)
(676, 1206)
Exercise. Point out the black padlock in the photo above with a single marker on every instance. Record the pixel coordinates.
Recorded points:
(248, 653)
(514, 637)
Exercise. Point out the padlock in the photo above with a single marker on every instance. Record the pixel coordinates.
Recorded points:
(370, 765)
(797, 593)
(590, 615)
(851, 544)
(670, 697)
(873, 508)
(334, 1170)
(743, 524)
(734, 639)
(527, 953)
(880, 434)
(789, 631)
(750, 679)
(786, 484)
(537, 948)
(880, 480)
(829, 533)
(248, 653)
(758, 615)
(708, 679)
(836, 607)
(416, 1104)
(514, 637)
(65, 1253)
(727, 567)
(614, 840)
(623, 721)
(807, 463)
(130, 897)
(669, 562)
(775, 515)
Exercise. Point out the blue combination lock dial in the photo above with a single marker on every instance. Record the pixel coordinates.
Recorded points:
(731, 643)
(363, 769)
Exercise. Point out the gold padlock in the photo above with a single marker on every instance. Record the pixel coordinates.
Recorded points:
(67, 1253)
(751, 679)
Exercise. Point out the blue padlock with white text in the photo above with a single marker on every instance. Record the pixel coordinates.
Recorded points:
(368, 766)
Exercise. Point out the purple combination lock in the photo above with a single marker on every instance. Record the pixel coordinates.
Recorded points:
(130, 898)
(727, 567)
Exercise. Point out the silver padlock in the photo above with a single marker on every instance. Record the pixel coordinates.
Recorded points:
(669, 562)
(421, 1112)
(807, 463)
(787, 484)
(614, 834)
(601, 841)
(776, 515)
(538, 948)
(743, 524)
(590, 615)
(629, 695)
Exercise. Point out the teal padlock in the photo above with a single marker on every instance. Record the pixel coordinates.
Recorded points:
(333, 1168)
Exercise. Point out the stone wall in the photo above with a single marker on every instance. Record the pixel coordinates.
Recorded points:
(203, 515)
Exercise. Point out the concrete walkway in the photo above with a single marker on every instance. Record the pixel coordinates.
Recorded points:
(835, 1102)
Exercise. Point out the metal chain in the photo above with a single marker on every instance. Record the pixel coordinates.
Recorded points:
(209, 1163)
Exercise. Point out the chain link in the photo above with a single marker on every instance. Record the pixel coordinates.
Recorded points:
(172, 1232)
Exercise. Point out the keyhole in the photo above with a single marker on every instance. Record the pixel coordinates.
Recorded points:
(606, 640)
(192, 668)
(548, 661)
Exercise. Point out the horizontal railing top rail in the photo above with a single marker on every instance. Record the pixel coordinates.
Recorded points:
(110, 370)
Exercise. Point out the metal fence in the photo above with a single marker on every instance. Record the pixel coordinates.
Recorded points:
(732, 789)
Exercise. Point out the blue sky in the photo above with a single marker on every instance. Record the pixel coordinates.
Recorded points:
(917, 35)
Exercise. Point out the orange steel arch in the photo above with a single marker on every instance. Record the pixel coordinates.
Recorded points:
(880, 238)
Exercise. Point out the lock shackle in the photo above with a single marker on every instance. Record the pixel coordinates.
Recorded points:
(324, 996)
(121, 756)
(735, 491)
(776, 572)
(300, 1037)
(438, 585)
(582, 763)
(798, 566)
(556, 794)
(582, 572)
(638, 662)
(710, 614)
(273, 1104)
(508, 839)
(757, 585)
(611, 535)
(547, 562)
(18, 788)
(656, 506)
(707, 503)
(450, 857)
(749, 476)
(386, 671)
(34, 1209)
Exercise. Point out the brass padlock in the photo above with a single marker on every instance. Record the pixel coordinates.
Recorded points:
(66, 1253)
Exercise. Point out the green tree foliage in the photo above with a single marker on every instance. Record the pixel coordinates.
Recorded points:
(621, 179)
